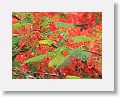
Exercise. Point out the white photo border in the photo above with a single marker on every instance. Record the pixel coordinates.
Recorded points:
(104, 84)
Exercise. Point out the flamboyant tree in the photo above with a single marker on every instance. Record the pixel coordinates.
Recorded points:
(56, 45)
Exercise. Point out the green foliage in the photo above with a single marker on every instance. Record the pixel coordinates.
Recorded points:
(78, 53)
(16, 40)
(14, 53)
(15, 63)
(35, 59)
(27, 19)
(52, 54)
(56, 52)
(23, 23)
(33, 68)
(58, 60)
(64, 25)
(72, 77)
(46, 42)
(45, 21)
(97, 20)
(65, 34)
(82, 38)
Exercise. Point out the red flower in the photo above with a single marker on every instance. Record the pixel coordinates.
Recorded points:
(36, 25)
(21, 57)
(60, 36)
(22, 42)
(41, 74)
(53, 27)
(42, 70)
(36, 16)
(82, 66)
(25, 68)
(65, 53)
(32, 55)
(20, 77)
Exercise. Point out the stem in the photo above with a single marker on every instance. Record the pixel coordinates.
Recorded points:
(80, 25)
(16, 17)
(60, 75)
(51, 74)
(55, 45)
(93, 52)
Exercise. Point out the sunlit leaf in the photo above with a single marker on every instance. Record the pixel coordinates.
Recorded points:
(46, 42)
(82, 38)
(64, 25)
(72, 77)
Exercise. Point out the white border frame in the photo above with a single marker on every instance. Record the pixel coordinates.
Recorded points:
(104, 84)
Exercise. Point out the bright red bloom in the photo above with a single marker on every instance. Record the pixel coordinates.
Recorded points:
(36, 25)
(21, 57)
(36, 16)
(41, 74)
(25, 68)
(60, 36)
(32, 55)
(52, 27)
(22, 42)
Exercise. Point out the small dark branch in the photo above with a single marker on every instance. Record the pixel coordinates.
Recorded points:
(93, 52)
(65, 40)
(60, 75)
(13, 57)
(84, 62)
(55, 45)
(51, 74)
(80, 25)
(16, 17)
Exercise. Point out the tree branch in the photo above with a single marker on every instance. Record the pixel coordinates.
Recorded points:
(93, 52)
(60, 75)
(80, 25)
(16, 17)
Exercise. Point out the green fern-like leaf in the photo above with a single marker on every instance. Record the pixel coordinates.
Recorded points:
(16, 63)
(14, 53)
(35, 59)
(82, 38)
(72, 77)
(46, 42)
(97, 20)
(15, 40)
(64, 25)
(52, 54)
(58, 60)
(78, 53)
